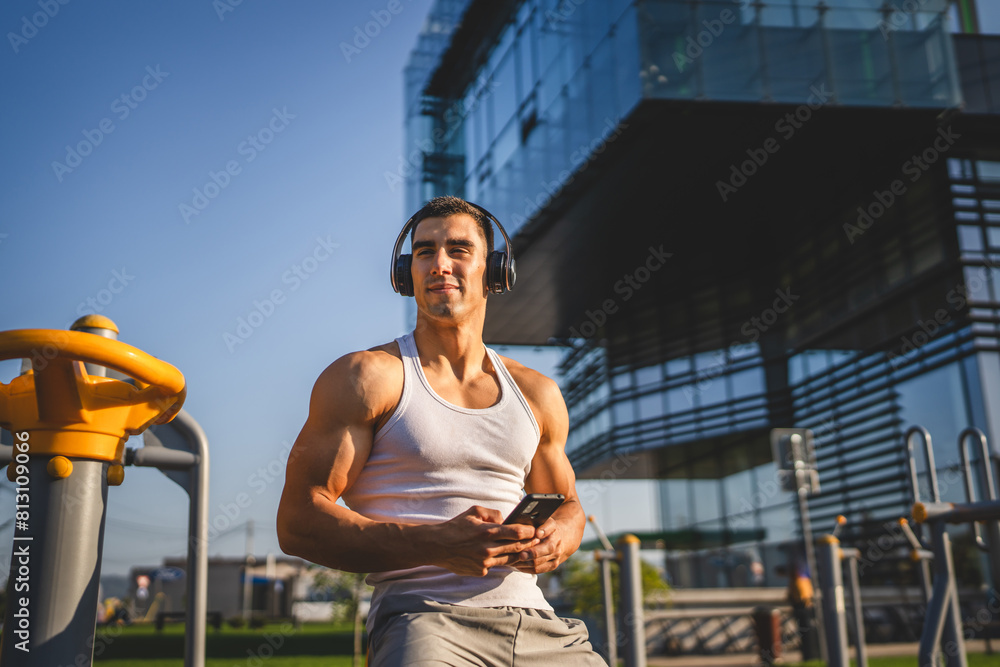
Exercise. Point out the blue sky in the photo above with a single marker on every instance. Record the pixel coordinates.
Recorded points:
(182, 167)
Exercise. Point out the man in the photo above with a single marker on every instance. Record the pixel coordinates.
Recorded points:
(430, 441)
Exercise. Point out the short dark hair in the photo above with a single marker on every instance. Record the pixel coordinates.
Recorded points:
(442, 207)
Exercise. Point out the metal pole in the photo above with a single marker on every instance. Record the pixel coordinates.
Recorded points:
(194, 462)
(991, 545)
(610, 632)
(56, 560)
(832, 601)
(942, 621)
(247, 574)
(604, 558)
(807, 537)
(911, 466)
(55, 566)
(197, 552)
(861, 651)
(631, 592)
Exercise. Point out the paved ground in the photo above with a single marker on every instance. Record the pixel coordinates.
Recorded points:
(748, 660)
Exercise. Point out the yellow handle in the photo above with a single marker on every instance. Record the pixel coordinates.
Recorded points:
(91, 349)
(69, 413)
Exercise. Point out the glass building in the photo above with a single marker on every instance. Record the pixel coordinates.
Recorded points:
(737, 216)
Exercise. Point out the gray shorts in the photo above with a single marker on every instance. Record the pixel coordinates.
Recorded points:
(411, 630)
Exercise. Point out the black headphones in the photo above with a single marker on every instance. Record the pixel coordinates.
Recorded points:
(500, 270)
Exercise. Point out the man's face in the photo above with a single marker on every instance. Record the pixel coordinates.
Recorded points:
(449, 262)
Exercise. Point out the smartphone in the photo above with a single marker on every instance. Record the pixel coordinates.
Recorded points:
(535, 508)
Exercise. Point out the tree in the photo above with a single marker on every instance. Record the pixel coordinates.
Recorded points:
(582, 584)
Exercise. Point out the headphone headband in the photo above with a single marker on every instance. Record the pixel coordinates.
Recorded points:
(500, 268)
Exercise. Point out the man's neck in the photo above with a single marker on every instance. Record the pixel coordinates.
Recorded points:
(453, 348)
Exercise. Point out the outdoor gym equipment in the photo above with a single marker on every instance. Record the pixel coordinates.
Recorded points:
(942, 620)
(831, 558)
(633, 624)
(69, 427)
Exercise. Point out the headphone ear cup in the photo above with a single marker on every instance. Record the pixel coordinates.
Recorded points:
(511, 270)
(404, 276)
(496, 276)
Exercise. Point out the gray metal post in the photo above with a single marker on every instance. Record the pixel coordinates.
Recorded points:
(55, 567)
(56, 561)
(911, 465)
(610, 632)
(634, 624)
(991, 545)
(196, 484)
(851, 556)
(99, 326)
(802, 493)
(607, 592)
(942, 620)
(832, 600)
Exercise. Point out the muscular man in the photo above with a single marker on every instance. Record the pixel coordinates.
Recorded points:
(430, 441)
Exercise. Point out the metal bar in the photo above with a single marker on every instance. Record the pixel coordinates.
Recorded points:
(984, 510)
(56, 562)
(861, 651)
(197, 553)
(929, 457)
(811, 560)
(161, 457)
(991, 545)
(834, 623)
(954, 642)
(610, 632)
(600, 533)
(942, 622)
(631, 595)
(925, 569)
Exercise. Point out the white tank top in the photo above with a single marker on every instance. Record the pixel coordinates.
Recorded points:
(432, 461)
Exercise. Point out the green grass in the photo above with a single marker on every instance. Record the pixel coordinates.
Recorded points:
(277, 645)
(311, 645)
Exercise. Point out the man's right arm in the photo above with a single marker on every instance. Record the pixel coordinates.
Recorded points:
(347, 402)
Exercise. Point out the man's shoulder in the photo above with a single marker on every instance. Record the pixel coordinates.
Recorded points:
(535, 386)
(367, 373)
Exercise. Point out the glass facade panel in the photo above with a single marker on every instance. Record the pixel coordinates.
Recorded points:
(779, 51)
(548, 101)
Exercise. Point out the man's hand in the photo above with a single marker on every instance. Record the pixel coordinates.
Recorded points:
(550, 551)
(475, 540)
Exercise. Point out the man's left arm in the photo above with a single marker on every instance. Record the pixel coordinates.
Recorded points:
(551, 472)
